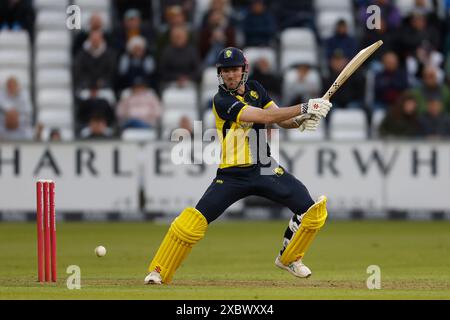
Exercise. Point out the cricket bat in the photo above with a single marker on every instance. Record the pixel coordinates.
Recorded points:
(351, 67)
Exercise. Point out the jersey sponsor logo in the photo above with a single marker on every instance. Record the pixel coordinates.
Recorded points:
(219, 181)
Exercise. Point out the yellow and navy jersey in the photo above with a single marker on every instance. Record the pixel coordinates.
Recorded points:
(240, 140)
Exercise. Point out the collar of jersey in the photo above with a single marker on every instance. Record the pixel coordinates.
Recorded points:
(246, 89)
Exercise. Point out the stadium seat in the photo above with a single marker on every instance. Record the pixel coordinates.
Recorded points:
(297, 38)
(54, 99)
(183, 99)
(50, 4)
(15, 59)
(290, 78)
(206, 99)
(51, 20)
(253, 54)
(208, 87)
(209, 120)
(201, 7)
(341, 5)
(53, 79)
(348, 124)
(96, 5)
(106, 94)
(14, 40)
(171, 120)
(52, 59)
(377, 118)
(406, 6)
(326, 22)
(23, 75)
(53, 40)
(209, 79)
(291, 58)
(140, 135)
(55, 118)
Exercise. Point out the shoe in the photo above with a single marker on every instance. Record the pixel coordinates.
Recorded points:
(153, 278)
(297, 268)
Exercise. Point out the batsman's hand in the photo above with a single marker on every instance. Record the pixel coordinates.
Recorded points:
(307, 121)
(319, 107)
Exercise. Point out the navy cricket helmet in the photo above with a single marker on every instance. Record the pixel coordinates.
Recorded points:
(232, 57)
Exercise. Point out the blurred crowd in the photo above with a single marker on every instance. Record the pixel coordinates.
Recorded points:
(119, 73)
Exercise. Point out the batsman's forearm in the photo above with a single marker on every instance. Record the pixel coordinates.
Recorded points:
(283, 114)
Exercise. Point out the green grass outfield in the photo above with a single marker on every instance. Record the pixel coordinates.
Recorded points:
(234, 261)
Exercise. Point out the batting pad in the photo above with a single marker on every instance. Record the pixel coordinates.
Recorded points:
(311, 223)
(185, 231)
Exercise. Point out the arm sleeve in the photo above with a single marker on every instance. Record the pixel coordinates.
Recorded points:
(229, 108)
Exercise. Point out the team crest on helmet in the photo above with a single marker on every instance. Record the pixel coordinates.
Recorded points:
(228, 54)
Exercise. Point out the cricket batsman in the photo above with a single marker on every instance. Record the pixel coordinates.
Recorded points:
(241, 106)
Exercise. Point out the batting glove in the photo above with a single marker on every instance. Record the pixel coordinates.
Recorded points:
(307, 122)
(318, 107)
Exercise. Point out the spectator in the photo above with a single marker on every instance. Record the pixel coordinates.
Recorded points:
(447, 69)
(15, 112)
(416, 33)
(180, 60)
(141, 109)
(186, 6)
(258, 25)
(95, 24)
(175, 18)
(215, 36)
(136, 63)
(425, 56)
(145, 8)
(429, 9)
(435, 122)
(262, 72)
(307, 85)
(401, 119)
(290, 13)
(390, 82)
(222, 6)
(55, 135)
(95, 63)
(133, 26)
(16, 15)
(389, 43)
(430, 87)
(446, 50)
(186, 123)
(341, 40)
(94, 104)
(351, 94)
(97, 128)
